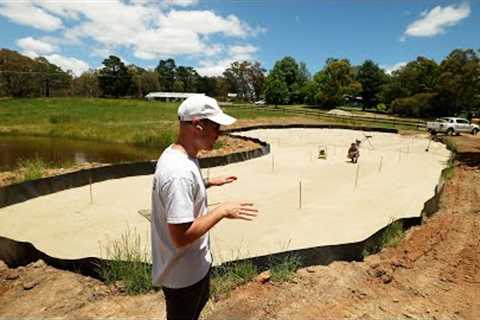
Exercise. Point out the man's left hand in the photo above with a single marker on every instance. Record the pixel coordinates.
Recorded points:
(220, 181)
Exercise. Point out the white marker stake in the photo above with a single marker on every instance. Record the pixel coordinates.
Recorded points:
(300, 194)
(356, 175)
(91, 194)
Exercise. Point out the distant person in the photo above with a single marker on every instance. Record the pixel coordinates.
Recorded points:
(181, 220)
(353, 152)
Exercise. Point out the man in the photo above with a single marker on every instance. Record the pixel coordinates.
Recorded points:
(353, 152)
(180, 217)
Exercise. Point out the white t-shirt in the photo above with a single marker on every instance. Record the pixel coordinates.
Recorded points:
(178, 196)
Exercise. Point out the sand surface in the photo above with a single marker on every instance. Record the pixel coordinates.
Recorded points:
(395, 177)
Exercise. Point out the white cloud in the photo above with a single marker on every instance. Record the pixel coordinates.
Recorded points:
(205, 22)
(37, 47)
(246, 50)
(181, 3)
(216, 67)
(27, 13)
(435, 21)
(150, 29)
(68, 63)
(390, 68)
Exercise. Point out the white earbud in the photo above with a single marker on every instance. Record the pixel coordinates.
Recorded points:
(199, 127)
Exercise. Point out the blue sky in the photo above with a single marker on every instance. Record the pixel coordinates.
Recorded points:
(210, 34)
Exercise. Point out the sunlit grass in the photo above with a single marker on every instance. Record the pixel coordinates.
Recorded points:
(128, 264)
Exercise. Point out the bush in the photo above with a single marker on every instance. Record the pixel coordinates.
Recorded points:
(32, 169)
(381, 107)
(419, 105)
(282, 269)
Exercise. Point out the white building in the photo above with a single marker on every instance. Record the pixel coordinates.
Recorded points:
(167, 96)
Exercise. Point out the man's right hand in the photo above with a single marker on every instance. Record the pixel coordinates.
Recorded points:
(238, 210)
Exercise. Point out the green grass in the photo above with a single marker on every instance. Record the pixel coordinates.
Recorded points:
(31, 169)
(391, 237)
(447, 173)
(228, 276)
(317, 114)
(128, 263)
(146, 123)
(282, 269)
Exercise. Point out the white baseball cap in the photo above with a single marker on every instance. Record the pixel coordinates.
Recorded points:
(203, 107)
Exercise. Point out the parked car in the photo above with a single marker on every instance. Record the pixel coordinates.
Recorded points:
(260, 102)
(451, 126)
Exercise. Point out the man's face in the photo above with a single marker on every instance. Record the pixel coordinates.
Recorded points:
(209, 133)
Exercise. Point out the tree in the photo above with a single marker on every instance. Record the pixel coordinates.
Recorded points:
(246, 79)
(418, 76)
(288, 71)
(86, 85)
(21, 76)
(459, 83)
(166, 74)
(186, 79)
(276, 91)
(114, 78)
(149, 82)
(372, 78)
(336, 82)
(310, 91)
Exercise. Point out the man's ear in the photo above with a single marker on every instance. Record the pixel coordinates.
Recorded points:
(196, 124)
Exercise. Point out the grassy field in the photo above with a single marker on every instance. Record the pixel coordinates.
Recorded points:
(126, 120)
(110, 120)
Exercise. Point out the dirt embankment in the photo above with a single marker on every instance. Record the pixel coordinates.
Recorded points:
(434, 273)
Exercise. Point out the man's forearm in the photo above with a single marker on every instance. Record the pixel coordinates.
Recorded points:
(196, 229)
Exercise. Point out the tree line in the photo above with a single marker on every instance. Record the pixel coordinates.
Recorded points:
(421, 88)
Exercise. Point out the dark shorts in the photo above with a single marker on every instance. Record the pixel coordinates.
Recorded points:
(187, 303)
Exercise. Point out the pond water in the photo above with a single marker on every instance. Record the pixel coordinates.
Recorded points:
(60, 151)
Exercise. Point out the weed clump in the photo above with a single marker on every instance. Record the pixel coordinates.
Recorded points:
(128, 264)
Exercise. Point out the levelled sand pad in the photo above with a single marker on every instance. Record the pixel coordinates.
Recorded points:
(395, 177)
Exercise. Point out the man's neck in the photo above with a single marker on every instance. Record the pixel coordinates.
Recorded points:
(185, 147)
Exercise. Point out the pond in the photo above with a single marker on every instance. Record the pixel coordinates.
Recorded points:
(60, 151)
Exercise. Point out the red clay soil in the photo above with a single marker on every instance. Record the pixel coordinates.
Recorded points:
(434, 273)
